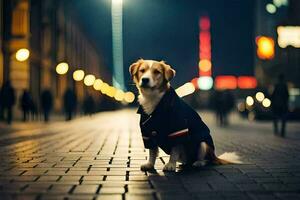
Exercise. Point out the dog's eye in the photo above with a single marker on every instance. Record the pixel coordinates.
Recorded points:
(156, 72)
(142, 70)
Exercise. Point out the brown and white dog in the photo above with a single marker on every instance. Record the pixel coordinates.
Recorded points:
(152, 78)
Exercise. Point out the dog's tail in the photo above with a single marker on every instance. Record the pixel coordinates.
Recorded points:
(226, 158)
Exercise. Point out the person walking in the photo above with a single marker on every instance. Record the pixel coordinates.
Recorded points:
(279, 105)
(47, 103)
(70, 103)
(8, 101)
(26, 102)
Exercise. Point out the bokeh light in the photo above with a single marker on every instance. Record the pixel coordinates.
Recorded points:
(89, 80)
(265, 47)
(249, 101)
(266, 103)
(259, 96)
(129, 97)
(185, 89)
(119, 96)
(205, 82)
(98, 84)
(62, 68)
(22, 54)
(78, 75)
(271, 8)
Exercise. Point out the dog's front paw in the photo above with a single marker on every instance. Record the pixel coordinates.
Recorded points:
(200, 163)
(147, 167)
(170, 167)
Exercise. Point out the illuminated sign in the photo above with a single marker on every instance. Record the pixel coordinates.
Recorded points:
(288, 35)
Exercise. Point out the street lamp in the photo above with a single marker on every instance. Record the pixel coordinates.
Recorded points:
(78, 75)
(62, 68)
(22, 54)
(117, 43)
(89, 80)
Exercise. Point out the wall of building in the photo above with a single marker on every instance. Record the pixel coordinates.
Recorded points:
(50, 31)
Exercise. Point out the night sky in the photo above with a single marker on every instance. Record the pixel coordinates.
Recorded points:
(168, 30)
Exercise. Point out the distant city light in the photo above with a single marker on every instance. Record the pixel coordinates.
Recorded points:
(259, 96)
(78, 75)
(98, 84)
(111, 91)
(279, 3)
(265, 47)
(247, 82)
(249, 101)
(288, 35)
(205, 82)
(62, 68)
(22, 54)
(89, 80)
(205, 65)
(105, 88)
(266, 103)
(185, 89)
(271, 8)
(119, 96)
(225, 82)
(129, 97)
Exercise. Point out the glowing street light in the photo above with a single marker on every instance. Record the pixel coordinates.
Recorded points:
(22, 54)
(129, 97)
(89, 80)
(259, 96)
(249, 101)
(98, 84)
(78, 75)
(62, 68)
(119, 96)
(266, 103)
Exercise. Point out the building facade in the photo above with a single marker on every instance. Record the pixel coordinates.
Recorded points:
(51, 32)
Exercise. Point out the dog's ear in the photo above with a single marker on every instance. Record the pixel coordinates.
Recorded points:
(134, 67)
(168, 71)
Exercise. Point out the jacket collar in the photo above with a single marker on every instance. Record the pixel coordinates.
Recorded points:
(165, 103)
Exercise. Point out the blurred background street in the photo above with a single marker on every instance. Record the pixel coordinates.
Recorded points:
(68, 127)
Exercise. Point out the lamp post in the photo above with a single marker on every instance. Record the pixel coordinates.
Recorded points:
(117, 43)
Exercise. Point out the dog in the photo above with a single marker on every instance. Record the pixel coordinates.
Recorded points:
(167, 122)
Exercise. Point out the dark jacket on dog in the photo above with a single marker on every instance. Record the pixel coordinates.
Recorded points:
(174, 122)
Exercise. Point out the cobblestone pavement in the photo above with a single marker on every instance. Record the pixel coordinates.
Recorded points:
(100, 157)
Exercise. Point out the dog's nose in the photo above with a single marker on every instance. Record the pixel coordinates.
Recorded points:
(145, 81)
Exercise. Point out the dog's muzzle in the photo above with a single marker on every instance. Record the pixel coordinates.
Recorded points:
(145, 83)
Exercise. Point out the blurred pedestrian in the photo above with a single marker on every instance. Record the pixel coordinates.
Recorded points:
(279, 105)
(228, 103)
(88, 105)
(26, 104)
(70, 103)
(219, 107)
(47, 103)
(8, 101)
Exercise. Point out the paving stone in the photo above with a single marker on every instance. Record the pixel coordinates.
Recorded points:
(89, 189)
